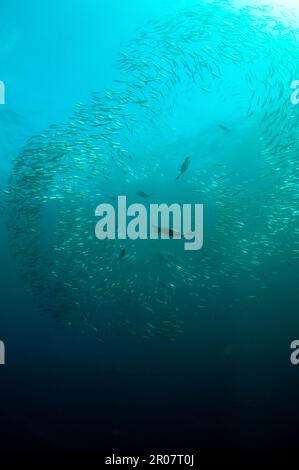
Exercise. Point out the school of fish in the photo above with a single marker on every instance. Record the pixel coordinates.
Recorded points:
(243, 167)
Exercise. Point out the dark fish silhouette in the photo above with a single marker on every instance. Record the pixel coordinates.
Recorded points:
(143, 194)
(122, 253)
(169, 231)
(184, 167)
(224, 128)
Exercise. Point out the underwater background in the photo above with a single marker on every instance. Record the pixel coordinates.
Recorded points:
(121, 344)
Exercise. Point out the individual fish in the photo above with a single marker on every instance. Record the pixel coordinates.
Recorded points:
(143, 194)
(168, 231)
(122, 254)
(224, 128)
(184, 167)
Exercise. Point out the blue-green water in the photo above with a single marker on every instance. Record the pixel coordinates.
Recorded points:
(163, 349)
